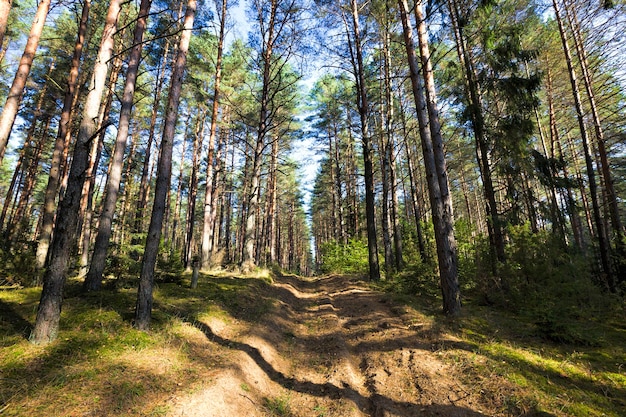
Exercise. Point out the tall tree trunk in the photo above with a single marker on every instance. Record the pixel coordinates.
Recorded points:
(363, 107)
(143, 310)
(52, 188)
(207, 228)
(250, 254)
(494, 223)
(415, 197)
(93, 280)
(86, 210)
(49, 311)
(144, 184)
(603, 243)
(434, 160)
(613, 200)
(14, 97)
(193, 188)
(29, 181)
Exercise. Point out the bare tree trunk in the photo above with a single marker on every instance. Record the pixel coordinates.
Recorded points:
(29, 182)
(142, 202)
(179, 192)
(363, 107)
(494, 226)
(434, 161)
(193, 188)
(602, 239)
(52, 188)
(207, 228)
(272, 209)
(14, 97)
(611, 195)
(143, 311)
(417, 209)
(86, 210)
(93, 280)
(49, 311)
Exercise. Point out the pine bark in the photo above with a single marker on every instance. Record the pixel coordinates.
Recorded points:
(434, 160)
(14, 97)
(603, 244)
(143, 309)
(363, 108)
(250, 254)
(494, 223)
(93, 280)
(207, 227)
(5, 9)
(54, 178)
(49, 311)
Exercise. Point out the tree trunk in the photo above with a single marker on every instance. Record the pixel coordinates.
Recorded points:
(603, 243)
(49, 311)
(363, 107)
(193, 188)
(613, 200)
(434, 161)
(14, 97)
(29, 181)
(144, 184)
(494, 226)
(207, 228)
(93, 280)
(52, 188)
(5, 9)
(143, 310)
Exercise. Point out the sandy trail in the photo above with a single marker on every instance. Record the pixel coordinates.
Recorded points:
(331, 347)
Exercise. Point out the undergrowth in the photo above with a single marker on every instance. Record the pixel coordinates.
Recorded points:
(100, 364)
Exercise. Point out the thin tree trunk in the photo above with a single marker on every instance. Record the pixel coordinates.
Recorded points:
(434, 161)
(143, 311)
(193, 188)
(49, 311)
(611, 195)
(494, 226)
(207, 228)
(144, 185)
(602, 239)
(363, 107)
(93, 280)
(52, 188)
(29, 182)
(417, 209)
(14, 97)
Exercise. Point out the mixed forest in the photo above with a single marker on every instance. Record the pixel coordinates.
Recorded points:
(467, 148)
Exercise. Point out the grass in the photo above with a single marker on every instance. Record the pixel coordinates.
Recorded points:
(100, 365)
(523, 374)
(278, 406)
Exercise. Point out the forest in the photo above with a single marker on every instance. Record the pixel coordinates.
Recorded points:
(171, 165)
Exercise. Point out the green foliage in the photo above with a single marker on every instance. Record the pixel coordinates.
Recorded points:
(540, 280)
(344, 259)
(18, 265)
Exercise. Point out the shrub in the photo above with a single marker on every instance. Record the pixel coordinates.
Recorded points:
(351, 258)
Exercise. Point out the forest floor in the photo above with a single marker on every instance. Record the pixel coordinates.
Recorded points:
(293, 346)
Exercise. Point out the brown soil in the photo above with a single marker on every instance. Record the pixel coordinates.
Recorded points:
(330, 347)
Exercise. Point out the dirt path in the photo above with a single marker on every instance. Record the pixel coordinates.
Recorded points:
(331, 347)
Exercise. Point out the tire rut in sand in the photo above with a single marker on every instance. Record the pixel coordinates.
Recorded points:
(333, 348)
